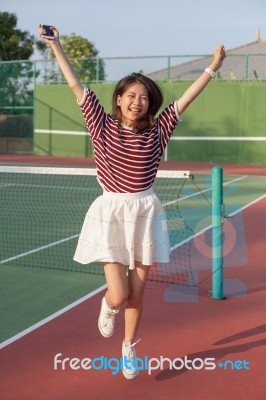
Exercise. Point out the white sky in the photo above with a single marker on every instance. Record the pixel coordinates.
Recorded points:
(147, 27)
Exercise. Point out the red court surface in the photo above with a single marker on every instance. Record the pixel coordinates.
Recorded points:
(232, 330)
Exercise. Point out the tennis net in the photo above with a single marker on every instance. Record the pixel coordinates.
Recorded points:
(43, 208)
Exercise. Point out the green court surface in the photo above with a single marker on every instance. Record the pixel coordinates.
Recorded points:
(29, 295)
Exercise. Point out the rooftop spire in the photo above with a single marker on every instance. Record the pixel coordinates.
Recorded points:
(258, 39)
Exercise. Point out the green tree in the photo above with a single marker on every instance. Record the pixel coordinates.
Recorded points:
(16, 78)
(84, 57)
(14, 43)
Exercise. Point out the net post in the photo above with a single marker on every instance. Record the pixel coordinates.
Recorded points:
(217, 233)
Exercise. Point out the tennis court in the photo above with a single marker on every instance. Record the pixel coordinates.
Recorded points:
(50, 306)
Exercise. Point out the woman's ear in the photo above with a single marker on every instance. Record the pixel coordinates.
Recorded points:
(118, 101)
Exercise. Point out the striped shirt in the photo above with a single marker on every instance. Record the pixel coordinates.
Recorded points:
(126, 162)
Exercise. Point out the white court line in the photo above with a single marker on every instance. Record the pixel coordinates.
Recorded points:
(51, 317)
(210, 226)
(247, 205)
(56, 187)
(205, 190)
(46, 246)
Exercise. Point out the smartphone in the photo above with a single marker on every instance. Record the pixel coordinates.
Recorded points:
(49, 34)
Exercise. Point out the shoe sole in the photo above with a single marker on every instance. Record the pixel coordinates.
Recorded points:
(130, 377)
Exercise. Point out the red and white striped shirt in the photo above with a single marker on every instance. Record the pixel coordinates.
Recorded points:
(126, 162)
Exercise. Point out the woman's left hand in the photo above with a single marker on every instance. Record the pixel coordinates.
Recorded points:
(218, 57)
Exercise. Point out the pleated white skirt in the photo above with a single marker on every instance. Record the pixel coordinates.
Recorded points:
(124, 227)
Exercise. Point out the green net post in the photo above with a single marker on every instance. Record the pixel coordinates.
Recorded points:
(217, 233)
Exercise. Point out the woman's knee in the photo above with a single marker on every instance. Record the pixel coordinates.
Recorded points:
(117, 284)
(116, 299)
(135, 300)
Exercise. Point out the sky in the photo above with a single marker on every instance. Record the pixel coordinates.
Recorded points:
(121, 28)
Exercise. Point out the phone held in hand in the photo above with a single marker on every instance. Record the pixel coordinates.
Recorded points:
(49, 34)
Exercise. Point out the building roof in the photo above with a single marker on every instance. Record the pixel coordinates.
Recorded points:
(247, 62)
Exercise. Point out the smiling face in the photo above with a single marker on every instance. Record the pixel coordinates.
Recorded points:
(134, 103)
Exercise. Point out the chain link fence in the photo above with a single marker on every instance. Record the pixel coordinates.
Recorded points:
(18, 80)
(242, 67)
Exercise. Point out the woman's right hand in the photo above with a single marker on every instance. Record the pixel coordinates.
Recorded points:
(41, 32)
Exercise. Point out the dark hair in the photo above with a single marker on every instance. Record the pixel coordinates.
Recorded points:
(155, 99)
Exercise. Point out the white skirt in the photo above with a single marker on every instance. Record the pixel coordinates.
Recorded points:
(122, 228)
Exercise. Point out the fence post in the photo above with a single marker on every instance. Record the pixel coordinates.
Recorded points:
(246, 66)
(217, 233)
(168, 68)
(50, 131)
(97, 69)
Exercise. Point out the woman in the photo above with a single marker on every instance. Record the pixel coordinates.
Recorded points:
(126, 226)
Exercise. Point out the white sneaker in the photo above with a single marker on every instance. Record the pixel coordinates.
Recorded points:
(106, 320)
(129, 353)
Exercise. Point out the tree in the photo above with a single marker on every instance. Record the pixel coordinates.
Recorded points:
(14, 43)
(81, 49)
(16, 78)
(83, 56)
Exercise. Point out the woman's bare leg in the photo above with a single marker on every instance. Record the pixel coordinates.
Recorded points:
(117, 284)
(136, 285)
